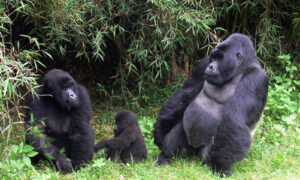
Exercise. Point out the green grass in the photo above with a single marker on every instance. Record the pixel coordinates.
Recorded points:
(272, 156)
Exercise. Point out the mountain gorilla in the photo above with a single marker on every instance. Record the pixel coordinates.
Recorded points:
(217, 108)
(128, 142)
(62, 113)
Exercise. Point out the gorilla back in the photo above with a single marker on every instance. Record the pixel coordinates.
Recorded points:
(217, 122)
(62, 113)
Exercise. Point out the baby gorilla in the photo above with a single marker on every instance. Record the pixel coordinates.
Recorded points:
(128, 141)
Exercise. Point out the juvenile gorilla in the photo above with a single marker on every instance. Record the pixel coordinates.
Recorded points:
(62, 112)
(218, 107)
(128, 142)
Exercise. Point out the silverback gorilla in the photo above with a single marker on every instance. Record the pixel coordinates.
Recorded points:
(62, 113)
(128, 142)
(217, 109)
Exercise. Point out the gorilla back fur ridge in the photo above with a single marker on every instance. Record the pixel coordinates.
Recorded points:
(128, 142)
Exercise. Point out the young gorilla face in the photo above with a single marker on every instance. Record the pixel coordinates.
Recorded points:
(124, 120)
(63, 88)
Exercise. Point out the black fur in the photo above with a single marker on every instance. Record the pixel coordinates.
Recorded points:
(172, 111)
(210, 120)
(128, 142)
(62, 112)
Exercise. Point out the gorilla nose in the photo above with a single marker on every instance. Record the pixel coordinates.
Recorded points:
(72, 95)
(210, 70)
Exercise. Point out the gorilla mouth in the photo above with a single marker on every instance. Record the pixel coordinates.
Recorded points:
(72, 102)
(207, 75)
(210, 77)
(68, 104)
(210, 73)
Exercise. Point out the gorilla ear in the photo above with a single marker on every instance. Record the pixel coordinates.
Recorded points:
(48, 86)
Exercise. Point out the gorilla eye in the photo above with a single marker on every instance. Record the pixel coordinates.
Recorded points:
(217, 55)
(67, 82)
(239, 56)
(70, 83)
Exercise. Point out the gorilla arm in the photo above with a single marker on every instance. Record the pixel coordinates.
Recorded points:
(49, 151)
(35, 136)
(172, 111)
(250, 97)
(44, 148)
(120, 142)
(82, 137)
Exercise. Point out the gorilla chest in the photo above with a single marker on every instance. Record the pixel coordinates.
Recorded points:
(211, 99)
(202, 116)
(207, 105)
(57, 122)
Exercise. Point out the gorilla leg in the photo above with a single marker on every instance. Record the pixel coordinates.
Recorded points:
(46, 150)
(111, 153)
(174, 142)
(231, 144)
(82, 149)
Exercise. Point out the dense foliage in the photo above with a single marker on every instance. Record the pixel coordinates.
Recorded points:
(139, 52)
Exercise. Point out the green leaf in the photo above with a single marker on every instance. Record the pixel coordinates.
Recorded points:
(26, 161)
(27, 148)
(99, 163)
(32, 154)
(48, 156)
(286, 56)
(16, 164)
(14, 148)
(278, 79)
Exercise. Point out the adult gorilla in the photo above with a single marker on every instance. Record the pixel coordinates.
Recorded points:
(62, 113)
(217, 108)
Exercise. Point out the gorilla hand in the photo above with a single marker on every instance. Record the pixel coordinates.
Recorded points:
(64, 164)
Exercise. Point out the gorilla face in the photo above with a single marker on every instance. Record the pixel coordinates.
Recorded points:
(224, 62)
(63, 88)
(124, 120)
(120, 126)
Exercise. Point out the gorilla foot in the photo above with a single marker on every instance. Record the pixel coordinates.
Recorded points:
(224, 174)
(162, 160)
(223, 170)
(64, 164)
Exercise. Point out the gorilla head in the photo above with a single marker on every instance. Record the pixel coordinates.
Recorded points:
(62, 87)
(228, 59)
(124, 119)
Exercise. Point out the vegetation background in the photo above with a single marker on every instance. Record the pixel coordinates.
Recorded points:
(134, 55)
